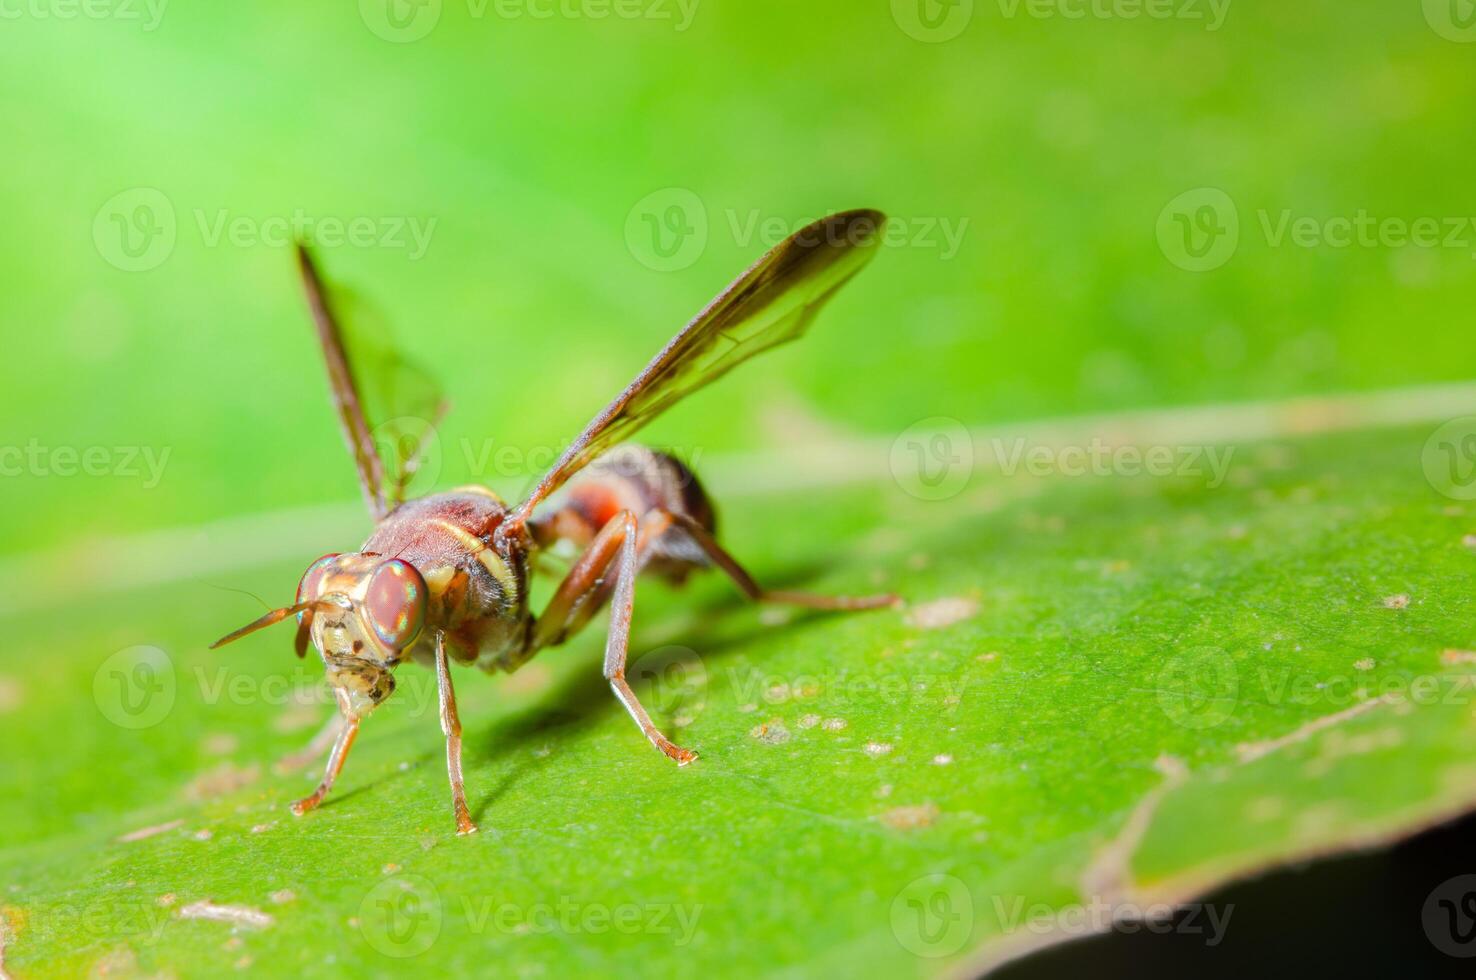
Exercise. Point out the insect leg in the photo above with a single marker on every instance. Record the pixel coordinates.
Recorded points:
(617, 643)
(614, 549)
(587, 585)
(317, 745)
(341, 747)
(758, 593)
(451, 726)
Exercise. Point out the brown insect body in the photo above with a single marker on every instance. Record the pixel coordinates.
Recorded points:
(444, 577)
(478, 597)
(632, 477)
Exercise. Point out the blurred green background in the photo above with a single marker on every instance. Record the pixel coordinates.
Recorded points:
(531, 148)
(1091, 214)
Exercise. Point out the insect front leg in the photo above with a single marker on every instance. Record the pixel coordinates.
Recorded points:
(451, 726)
(341, 747)
(614, 550)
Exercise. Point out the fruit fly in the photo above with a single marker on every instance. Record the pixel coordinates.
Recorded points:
(444, 578)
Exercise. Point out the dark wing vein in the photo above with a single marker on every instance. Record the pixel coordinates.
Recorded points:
(770, 304)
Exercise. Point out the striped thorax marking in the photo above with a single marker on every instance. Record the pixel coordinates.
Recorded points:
(438, 578)
(490, 559)
(480, 491)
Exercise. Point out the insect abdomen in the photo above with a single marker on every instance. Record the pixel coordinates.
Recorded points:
(640, 480)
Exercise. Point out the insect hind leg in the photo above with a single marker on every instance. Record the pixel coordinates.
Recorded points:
(616, 550)
(746, 584)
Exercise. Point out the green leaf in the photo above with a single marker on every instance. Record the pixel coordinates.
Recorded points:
(1107, 692)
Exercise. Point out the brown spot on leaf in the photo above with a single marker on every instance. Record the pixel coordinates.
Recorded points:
(10, 694)
(219, 743)
(145, 832)
(771, 732)
(529, 679)
(910, 817)
(224, 778)
(941, 613)
(236, 915)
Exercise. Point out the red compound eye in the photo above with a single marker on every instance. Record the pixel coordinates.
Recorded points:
(394, 603)
(311, 585)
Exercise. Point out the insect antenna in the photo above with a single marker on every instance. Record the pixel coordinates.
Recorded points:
(270, 619)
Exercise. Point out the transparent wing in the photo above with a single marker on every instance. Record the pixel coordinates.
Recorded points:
(387, 404)
(770, 304)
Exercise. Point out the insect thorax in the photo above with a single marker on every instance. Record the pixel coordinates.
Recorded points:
(478, 597)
